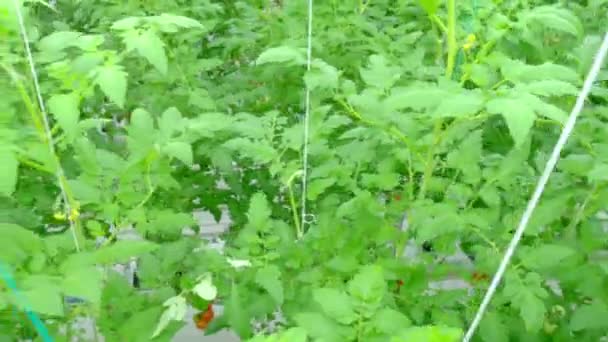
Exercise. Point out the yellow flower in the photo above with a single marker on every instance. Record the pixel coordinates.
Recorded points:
(59, 216)
(74, 214)
(470, 42)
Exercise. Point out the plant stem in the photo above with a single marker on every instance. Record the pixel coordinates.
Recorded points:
(452, 47)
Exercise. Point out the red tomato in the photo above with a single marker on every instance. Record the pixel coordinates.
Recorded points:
(203, 319)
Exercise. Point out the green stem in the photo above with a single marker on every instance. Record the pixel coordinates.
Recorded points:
(430, 160)
(452, 46)
(434, 18)
(294, 208)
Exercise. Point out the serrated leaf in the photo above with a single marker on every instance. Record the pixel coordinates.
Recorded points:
(269, 278)
(281, 54)
(546, 256)
(417, 98)
(112, 80)
(181, 151)
(543, 108)
(85, 283)
(175, 311)
(389, 321)
(65, 109)
(170, 122)
(492, 329)
(368, 285)
(126, 23)
(590, 316)
(259, 212)
(526, 295)
(517, 71)
(149, 45)
(238, 319)
(335, 304)
(518, 116)
(322, 76)
(318, 186)
(169, 22)
(549, 88)
(378, 73)
(555, 18)
(122, 251)
(460, 105)
(599, 173)
(320, 327)
(59, 40)
(45, 298)
(9, 166)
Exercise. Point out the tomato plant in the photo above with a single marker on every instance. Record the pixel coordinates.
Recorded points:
(431, 122)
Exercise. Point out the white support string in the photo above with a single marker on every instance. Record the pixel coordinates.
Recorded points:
(580, 101)
(45, 120)
(304, 213)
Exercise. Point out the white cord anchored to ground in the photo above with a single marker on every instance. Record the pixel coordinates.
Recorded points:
(304, 213)
(45, 120)
(540, 187)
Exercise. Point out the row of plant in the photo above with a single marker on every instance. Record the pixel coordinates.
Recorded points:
(441, 110)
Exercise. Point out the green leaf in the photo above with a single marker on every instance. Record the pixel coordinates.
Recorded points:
(122, 251)
(259, 212)
(322, 76)
(555, 18)
(112, 80)
(85, 283)
(599, 173)
(492, 329)
(467, 155)
(170, 122)
(546, 256)
(429, 334)
(10, 169)
(320, 327)
(58, 41)
(281, 54)
(418, 98)
(151, 47)
(549, 88)
(517, 72)
(378, 74)
(44, 298)
(335, 304)
(170, 23)
(205, 288)
(17, 243)
(526, 295)
(430, 6)
(126, 23)
(590, 316)
(175, 311)
(65, 109)
(318, 186)
(389, 321)
(181, 151)
(146, 318)
(518, 116)
(368, 285)
(269, 278)
(237, 316)
(460, 105)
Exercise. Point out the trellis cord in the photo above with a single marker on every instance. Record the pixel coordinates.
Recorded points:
(45, 120)
(5, 275)
(306, 117)
(578, 106)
